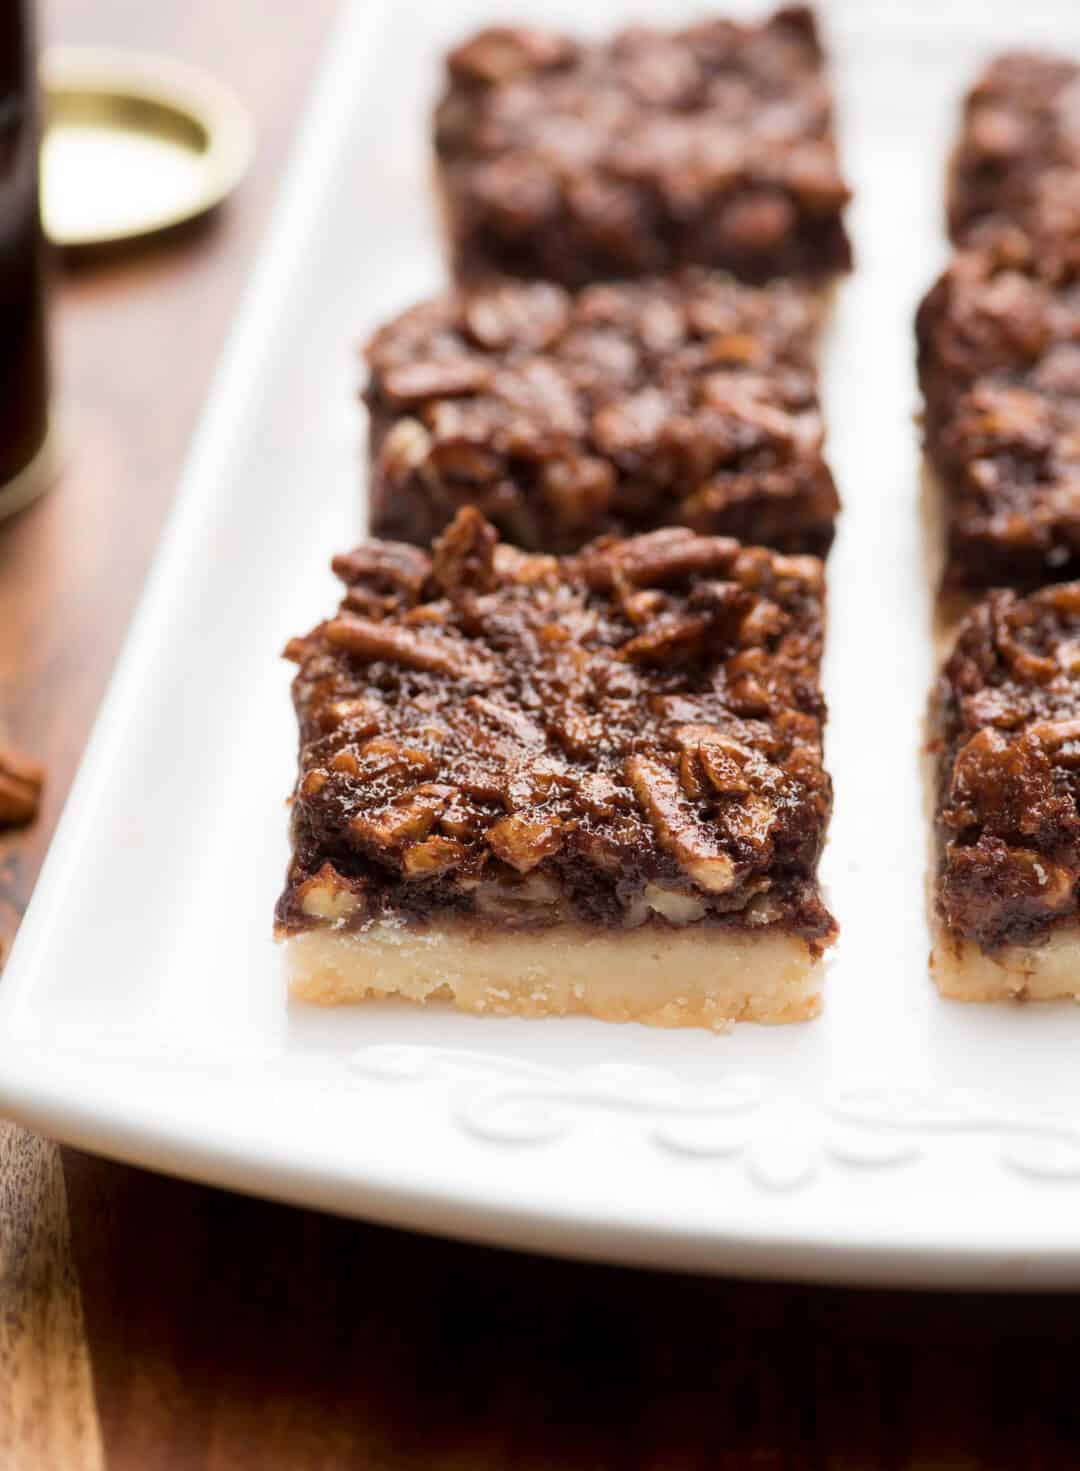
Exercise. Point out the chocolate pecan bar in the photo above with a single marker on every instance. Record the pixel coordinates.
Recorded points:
(1005, 722)
(615, 409)
(537, 786)
(999, 363)
(1016, 168)
(577, 162)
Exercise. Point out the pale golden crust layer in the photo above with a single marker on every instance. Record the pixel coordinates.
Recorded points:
(1046, 972)
(694, 977)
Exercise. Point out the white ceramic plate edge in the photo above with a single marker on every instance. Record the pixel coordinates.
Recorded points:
(81, 1104)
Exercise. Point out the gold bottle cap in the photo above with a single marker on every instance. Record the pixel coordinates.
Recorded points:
(134, 144)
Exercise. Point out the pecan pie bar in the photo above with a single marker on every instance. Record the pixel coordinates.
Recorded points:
(537, 786)
(1017, 165)
(999, 365)
(708, 146)
(616, 409)
(1005, 725)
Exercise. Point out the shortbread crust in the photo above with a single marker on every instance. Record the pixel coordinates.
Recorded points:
(1046, 972)
(667, 978)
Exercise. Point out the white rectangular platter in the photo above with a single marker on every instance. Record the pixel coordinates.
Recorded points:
(143, 1012)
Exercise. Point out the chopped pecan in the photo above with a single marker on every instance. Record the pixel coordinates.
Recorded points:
(461, 819)
(21, 783)
(639, 605)
(1056, 736)
(362, 716)
(671, 639)
(675, 905)
(313, 782)
(677, 826)
(329, 897)
(1005, 781)
(724, 606)
(736, 347)
(500, 54)
(371, 641)
(631, 425)
(724, 762)
(405, 821)
(404, 449)
(659, 558)
(388, 566)
(691, 777)
(763, 621)
(578, 732)
(390, 759)
(990, 886)
(531, 899)
(463, 558)
(579, 490)
(599, 794)
(433, 856)
(366, 602)
(529, 315)
(412, 383)
(533, 779)
(1025, 662)
(461, 463)
(524, 841)
(750, 822)
(517, 723)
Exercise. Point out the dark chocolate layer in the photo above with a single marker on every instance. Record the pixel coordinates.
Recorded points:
(616, 409)
(1006, 726)
(628, 736)
(708, 146)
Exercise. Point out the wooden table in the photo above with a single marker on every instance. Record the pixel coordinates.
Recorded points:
(219, 1332)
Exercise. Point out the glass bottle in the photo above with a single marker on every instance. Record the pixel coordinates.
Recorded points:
(24, 393)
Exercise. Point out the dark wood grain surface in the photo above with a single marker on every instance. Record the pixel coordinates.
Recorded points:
(228, 1333)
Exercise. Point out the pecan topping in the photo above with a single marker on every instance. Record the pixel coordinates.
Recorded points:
(566, 417)
(384, 567)
(21, 782)
(398, 645)
(999, 374)
(464, 556)
(659, 558)
(603, 774)
(1017, 154)
(504, 53)
(669, 640)
(721, 761)
(433, 856)
(1006, 722)
(712, 144)
(524, 841)
(694, 848)
(329, 897)
(405, 821)
(412, 383)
